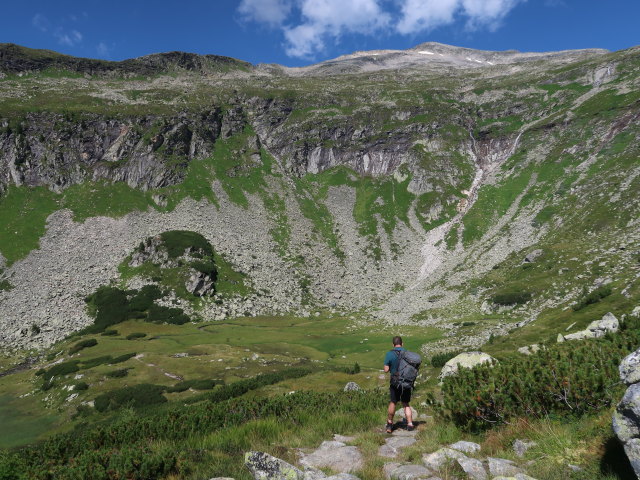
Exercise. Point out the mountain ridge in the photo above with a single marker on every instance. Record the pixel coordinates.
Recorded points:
(18, 59)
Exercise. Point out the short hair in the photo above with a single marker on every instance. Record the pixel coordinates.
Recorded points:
(397, 340)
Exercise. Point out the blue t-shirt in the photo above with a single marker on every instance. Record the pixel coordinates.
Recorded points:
(391, 359)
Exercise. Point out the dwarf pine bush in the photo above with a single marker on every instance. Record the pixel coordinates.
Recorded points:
(571, 378)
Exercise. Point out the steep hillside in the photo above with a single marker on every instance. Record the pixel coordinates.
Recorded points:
(404, 193)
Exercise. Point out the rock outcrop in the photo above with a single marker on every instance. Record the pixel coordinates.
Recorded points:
(596, 329)
(626, 418)
(464, 360)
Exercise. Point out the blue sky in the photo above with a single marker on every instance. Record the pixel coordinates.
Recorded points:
(299, 32)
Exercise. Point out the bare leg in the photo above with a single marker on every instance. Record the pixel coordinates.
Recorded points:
(391, 412)
(408, 414)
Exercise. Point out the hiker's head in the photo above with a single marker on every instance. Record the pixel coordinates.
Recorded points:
(397, 341)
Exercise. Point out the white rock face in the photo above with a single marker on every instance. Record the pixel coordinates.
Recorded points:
(465, 360)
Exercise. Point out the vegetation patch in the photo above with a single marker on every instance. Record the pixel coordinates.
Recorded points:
(510, 298)
(593, 297)
(151, 444)
(136, 335)
(111, 305)
(204, 384)
(572, 378)
(81, 345)
(135, 396)
(439, 359)
(120, 373)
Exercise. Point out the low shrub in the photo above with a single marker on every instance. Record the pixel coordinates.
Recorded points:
(94, 362)
(571, 378)
(64, 368)
(511, 298)
(194, 384)
(439, 359)
(593, 297)
(355, 368)
(208, 267)
(122, 358)
(241, 387)
(135, 396)
(80, 386)
(81, 345)
(158, 314)
(111, 306)
(177, 241)
(123, 372)
(109, 333)
(134, 335)
(60, 369)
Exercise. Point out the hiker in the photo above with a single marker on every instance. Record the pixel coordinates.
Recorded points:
(396, 392)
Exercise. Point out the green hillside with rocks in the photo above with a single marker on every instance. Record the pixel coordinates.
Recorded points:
(197, 254)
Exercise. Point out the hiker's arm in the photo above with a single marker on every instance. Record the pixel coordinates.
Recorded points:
(386, 369)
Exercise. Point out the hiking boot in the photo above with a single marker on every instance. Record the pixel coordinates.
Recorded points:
(410, 427)
(389, 427)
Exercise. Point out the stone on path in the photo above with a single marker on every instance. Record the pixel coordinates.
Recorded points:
(334, 455)
(437, 459)
(393, 445)
(473, 468)
(466, 447)
(502, 467)
(344, 439)
(410, 472)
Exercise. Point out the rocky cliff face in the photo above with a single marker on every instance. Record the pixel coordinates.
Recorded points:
(408, 194)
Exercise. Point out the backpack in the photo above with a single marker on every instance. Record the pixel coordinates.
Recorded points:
(408, 365)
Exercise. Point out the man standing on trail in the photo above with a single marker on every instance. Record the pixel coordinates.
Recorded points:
(391, 362)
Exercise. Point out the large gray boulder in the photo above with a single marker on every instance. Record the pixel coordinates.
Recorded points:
(630, 368)
(465, 360)
(533, 256)
(608, 324)
(626, 425)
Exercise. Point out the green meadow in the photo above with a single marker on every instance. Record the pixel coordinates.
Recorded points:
(227, 351)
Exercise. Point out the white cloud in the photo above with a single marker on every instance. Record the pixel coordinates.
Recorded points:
(309, 25)
(103, 50)
(419, 15)
(40, 22)
(489, 13)
(69, 39)
(271, 12)
(425, 15)
(328, 20)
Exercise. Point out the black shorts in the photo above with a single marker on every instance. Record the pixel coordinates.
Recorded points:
(399, 395)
